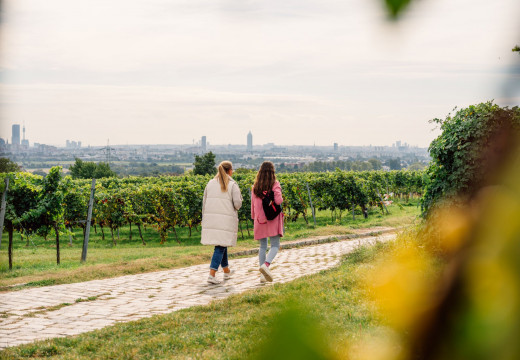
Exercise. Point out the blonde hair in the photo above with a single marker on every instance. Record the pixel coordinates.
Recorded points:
(222, 176)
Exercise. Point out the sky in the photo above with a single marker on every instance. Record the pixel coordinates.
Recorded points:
(293, 72)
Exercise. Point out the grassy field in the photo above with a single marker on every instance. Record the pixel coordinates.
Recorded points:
(314, 317)
(34, 262)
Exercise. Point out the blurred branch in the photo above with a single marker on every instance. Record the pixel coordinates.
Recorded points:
(516, 49)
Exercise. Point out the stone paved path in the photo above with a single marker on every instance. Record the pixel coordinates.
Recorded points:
(63, 310)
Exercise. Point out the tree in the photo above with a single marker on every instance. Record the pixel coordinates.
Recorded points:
(90, 170)
(103, 171)
(516, 49)
(474, 143)
(82, 169)
(6, 166)
(394, 164)
(205, 164)
(376, 164)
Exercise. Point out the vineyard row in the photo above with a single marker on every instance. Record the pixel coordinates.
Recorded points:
(37, 205)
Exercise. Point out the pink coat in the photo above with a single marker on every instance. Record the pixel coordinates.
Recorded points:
(262, 227)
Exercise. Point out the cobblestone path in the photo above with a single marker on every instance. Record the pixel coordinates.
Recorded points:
(64, 310)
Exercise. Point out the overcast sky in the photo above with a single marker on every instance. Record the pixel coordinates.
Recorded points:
(291, 71)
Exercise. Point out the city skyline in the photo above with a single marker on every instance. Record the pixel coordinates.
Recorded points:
(297, 72)
(203, 143)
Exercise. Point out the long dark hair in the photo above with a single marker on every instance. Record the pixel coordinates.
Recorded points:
(264, 179)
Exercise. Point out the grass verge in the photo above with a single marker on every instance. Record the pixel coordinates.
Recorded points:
(315, 314)
(35, 263)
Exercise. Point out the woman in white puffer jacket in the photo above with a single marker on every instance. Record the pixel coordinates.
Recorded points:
(222, 200)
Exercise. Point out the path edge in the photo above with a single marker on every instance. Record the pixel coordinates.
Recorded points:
(319, 240)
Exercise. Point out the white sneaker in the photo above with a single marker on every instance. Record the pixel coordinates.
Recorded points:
(262, 278)
(229, 275)
(266, 272)
(213, 280)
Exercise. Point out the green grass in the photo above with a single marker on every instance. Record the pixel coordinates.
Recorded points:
(314, 317)
(35, 264)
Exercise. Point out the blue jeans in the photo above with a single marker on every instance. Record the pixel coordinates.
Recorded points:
(219, 258)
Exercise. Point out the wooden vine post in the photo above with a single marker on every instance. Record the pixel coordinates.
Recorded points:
(89, 218)
(382, 201)
(310, 201)
(2, 211)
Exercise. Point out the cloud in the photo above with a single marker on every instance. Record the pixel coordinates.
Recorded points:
(159, 71)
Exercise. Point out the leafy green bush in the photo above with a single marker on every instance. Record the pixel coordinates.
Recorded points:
(472, 146)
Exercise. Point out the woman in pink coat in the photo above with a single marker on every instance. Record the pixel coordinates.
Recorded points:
(263, 228)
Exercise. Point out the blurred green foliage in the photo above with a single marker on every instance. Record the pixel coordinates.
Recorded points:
(395, 7)
(295, 334)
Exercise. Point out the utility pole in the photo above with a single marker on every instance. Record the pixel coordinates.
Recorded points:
(107, 150)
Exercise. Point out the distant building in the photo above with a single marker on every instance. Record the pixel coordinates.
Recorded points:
(15, 140)
(44, 149)
(72, 144)
(203, 143)
(335, 147)
(249, 141)
(25, 142)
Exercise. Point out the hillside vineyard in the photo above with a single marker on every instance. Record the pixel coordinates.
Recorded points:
(169, 202)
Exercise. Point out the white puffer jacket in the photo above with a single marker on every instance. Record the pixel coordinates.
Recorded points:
(220, 214)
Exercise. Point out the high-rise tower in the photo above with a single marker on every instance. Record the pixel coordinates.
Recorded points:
(203, 143)
(249, 141)
(15, 139)
(25, 142)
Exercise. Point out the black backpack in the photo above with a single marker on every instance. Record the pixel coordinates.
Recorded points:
(271, 209)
